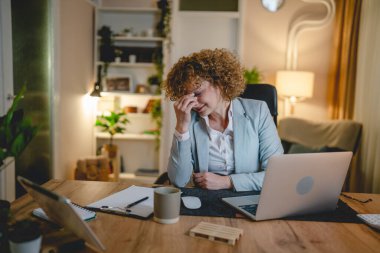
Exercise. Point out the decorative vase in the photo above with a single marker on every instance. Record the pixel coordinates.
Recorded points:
(111, 150)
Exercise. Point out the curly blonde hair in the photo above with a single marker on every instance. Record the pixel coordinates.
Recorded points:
(219, 67)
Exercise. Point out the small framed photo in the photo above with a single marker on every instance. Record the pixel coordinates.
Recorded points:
(119, 83)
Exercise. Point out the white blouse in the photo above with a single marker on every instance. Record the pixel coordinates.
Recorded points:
(221, 149)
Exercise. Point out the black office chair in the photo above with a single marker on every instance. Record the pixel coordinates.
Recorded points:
(264, 92)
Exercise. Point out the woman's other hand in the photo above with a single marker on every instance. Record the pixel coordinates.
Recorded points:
(212, 181)
(182, 108)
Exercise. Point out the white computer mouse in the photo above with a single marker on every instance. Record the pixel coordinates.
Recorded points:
(191, 202)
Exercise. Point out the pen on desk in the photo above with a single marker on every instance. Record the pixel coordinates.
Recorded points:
(136, 202)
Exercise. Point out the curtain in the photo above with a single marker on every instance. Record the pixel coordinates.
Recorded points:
(366, 177)
(341, 87)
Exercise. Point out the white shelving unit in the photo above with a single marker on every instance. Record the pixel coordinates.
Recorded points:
(127, 136)
(139, 150)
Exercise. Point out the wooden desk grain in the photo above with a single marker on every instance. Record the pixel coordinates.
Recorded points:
(121, 234)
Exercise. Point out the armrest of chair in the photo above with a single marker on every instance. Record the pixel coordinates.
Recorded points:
(163, 179)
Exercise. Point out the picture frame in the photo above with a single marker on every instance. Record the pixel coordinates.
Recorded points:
(119, 83)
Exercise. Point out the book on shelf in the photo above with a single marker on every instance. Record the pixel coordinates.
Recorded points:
(146, 172)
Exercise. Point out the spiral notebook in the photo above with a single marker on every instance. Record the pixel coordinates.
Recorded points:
(85, 214)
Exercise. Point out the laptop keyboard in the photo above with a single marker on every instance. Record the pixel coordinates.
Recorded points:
(250, 208)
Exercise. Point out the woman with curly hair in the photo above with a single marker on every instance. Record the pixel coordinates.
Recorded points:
(222, 141)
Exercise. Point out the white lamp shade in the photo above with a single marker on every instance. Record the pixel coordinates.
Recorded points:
(295, 83)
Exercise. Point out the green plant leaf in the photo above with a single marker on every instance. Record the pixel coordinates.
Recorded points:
(15, 131)
(252, 76)
(113, 123)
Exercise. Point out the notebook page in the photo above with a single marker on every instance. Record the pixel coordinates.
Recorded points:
(83, 213)
(127, 196)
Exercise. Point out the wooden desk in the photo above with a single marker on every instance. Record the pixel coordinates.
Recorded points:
(121, 234)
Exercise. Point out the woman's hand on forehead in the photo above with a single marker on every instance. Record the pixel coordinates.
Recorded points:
(196, 92)
(196, 88)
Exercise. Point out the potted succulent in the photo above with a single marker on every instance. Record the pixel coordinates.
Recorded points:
(252, 76)
(128, 32)
(113, 124)
(118, 54)
(15, 131)
(154, 83)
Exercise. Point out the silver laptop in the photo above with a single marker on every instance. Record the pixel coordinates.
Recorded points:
(58, 209)
(297, 184)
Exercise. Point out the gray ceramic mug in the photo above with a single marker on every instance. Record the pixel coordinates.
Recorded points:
(167, 202)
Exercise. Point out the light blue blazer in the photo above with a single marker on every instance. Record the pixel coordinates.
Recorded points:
(255, 140)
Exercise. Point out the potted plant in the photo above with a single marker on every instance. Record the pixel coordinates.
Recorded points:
(115, 123)
(118, 54)
(15, 131)
(25, 237)
(155, 80)
(154, 83)
(128, 31)
(252, 76)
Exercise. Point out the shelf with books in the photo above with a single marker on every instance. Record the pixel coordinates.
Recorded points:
(129, 42)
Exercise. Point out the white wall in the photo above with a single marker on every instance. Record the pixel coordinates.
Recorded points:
(265, 37)
(73, 122)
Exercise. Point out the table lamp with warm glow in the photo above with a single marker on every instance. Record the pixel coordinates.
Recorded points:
(294, 86)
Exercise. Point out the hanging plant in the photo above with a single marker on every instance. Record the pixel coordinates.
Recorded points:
(163, 25)
(155, 110)
(106, 50)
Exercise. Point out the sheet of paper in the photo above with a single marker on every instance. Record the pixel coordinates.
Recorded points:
(127, 196)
